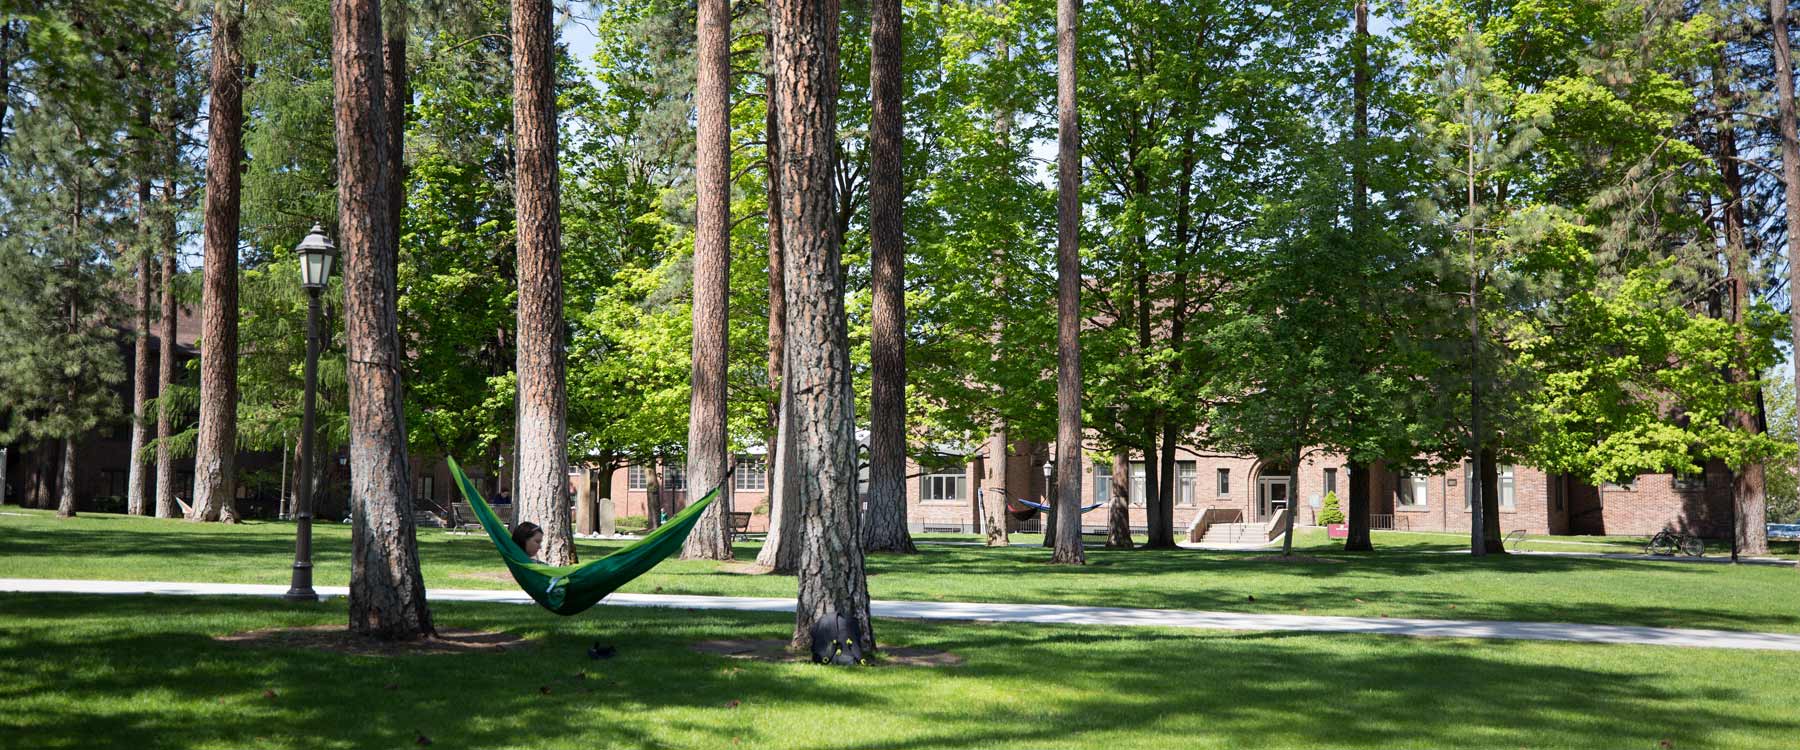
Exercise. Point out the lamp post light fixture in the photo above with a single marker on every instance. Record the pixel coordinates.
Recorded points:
(316, 254)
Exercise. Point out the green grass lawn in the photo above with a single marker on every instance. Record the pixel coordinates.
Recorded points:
(85, 671)
(1408, 576)
(1630, 545)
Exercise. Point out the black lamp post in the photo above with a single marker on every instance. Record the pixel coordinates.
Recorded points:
(316, 253)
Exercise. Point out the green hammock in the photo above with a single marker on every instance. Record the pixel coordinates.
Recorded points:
(571, 589)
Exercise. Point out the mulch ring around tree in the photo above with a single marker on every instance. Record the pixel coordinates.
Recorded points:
(1295, 559)
(777, 651)
(338, 639)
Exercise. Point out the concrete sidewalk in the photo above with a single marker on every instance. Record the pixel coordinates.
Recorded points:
(1037, 614)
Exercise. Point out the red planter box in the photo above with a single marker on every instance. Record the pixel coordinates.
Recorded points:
(1337, 531)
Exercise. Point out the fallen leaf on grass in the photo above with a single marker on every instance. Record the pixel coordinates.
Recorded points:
(732, 703)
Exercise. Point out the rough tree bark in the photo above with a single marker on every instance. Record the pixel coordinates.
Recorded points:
(541, 495)
(1748, 485)
(832, 579)
(1118, 512)
(885, 530)
(137, 497)
(1790, 157)
(387, 594)
(65, 503)
(166, 347)
(395, 29)
(707, 454)
(780, 553)
(1068, 549)
(1490, 502)
(1477, 436)
(215, 453)
(1359, 538)
(992, 493)
(781, 547)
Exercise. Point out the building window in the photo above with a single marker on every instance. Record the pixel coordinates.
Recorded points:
(1102, 483)
(675, 479)
(751, 476)
(636, 478)
(1689, 482)
(427, 487)
(1506, 488)
(1330, 480)
(1556, 491)
(1472, 485)
(1412, 491)
(943, 486)
(1140, 487)
(1224, 483)
(1185, 490)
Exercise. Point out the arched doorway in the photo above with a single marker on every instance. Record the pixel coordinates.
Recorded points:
(1273, 491)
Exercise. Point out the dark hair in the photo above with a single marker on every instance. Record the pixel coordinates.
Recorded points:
(524, 532)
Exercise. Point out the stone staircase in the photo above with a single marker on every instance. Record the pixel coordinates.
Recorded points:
(1247, 534)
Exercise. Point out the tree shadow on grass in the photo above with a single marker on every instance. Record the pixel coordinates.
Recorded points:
(101, 672)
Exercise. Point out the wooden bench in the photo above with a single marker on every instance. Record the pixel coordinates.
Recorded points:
(740, 525)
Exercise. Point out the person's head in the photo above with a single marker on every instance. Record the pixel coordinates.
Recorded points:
(529, 538)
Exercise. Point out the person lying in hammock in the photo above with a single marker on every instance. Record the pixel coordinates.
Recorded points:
(530, 538)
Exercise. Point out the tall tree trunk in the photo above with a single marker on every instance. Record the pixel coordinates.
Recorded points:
(886, 527)
(1118, 512)
(1154, 538)
(993, 487)
(395, 30)
(780, 552)
(706, 457)
(1069, 458)
(1361, 498)
(215, 454)
(1790, 163)
(65, 504)
(1158, 536)
(1293, 500)
(1490, 502)
(1477, 436)
(653, 495)
(541, 495)
(1748, 485)
(387, 594)
(137, 490)
(1361, 478)
(832, 580)
(781, 546)
(1165, 475)
(166, 346)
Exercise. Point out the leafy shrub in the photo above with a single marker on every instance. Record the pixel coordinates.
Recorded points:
(1330, 512)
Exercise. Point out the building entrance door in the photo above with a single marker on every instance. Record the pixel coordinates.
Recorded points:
(1271, 496)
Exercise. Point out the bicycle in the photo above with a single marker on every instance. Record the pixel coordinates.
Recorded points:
(1668, 543)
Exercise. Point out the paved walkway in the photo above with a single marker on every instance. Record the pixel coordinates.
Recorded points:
(1037, 614)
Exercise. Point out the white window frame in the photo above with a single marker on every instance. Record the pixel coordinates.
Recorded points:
(1187, 475)
(1330, 480)
(1224, 482)
(637, 479)
(751, 476)
(932, 487)
(1420, 492)
(1140, 484)
(1102, 483)
(1509, 485)
(675, 479)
